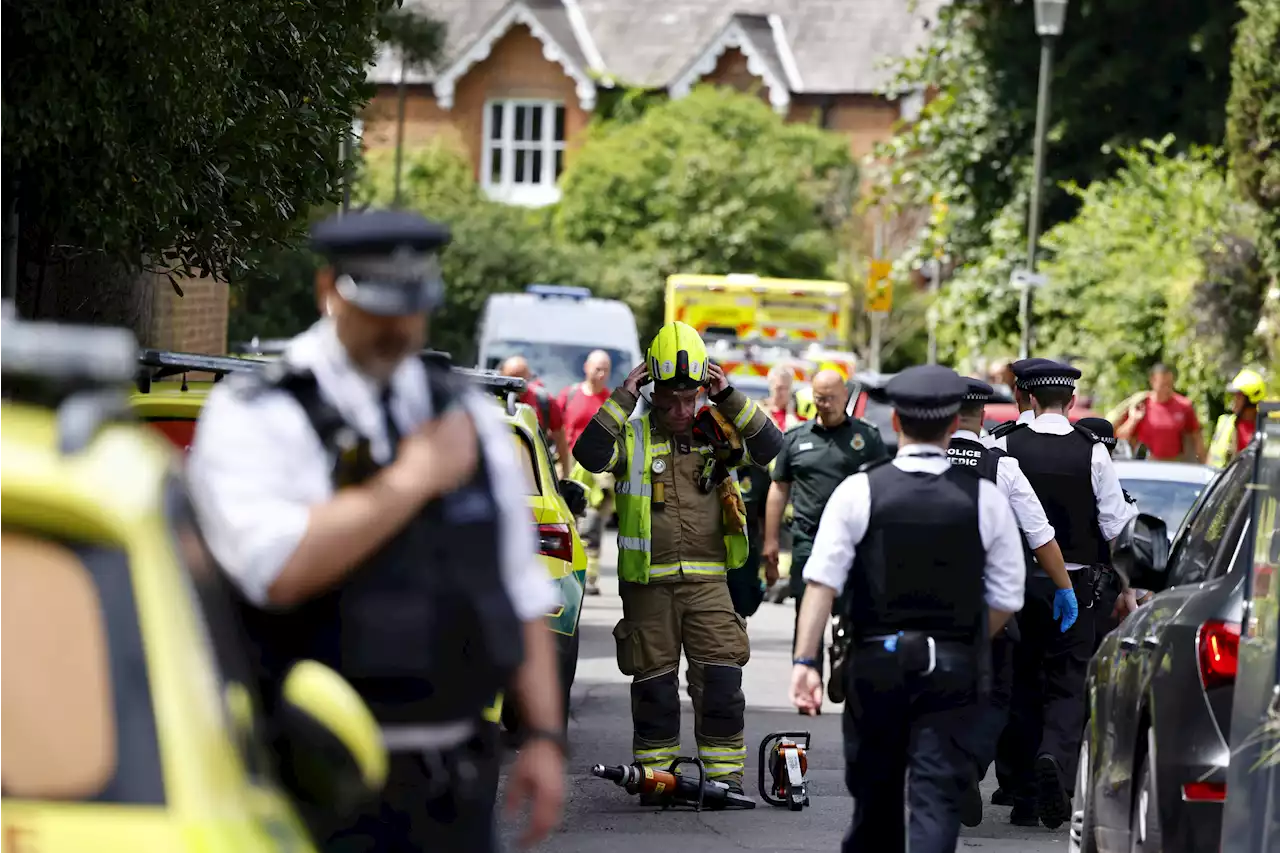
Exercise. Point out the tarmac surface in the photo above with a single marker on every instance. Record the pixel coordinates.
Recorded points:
(601, 817)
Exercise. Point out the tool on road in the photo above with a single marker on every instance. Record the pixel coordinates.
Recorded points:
(784, 753)
(668, 788)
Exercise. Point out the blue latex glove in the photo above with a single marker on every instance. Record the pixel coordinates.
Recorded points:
(891, 643)
(1065, 607)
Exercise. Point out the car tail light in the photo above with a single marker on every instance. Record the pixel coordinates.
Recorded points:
(555, 540)
(1204, 792)
(1219, 644)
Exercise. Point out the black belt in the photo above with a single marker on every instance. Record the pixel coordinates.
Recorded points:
(918, 653)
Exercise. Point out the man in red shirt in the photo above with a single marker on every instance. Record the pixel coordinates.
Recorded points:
(1164, 421)
(580, 403)
(550, 415)
(779, 403)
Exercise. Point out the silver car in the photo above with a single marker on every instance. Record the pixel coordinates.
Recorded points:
(1166, 490)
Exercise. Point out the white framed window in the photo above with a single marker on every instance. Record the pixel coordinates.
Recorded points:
(523, 154)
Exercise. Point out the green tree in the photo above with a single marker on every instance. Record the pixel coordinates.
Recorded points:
(714, 182)
(1125, 70)
(175, 136)
(1158, 265)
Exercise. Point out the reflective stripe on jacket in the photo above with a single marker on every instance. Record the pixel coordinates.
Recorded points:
(634, 500)
(1223, 446)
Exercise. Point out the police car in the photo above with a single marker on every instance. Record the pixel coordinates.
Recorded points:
(131, 724)
(172, 387)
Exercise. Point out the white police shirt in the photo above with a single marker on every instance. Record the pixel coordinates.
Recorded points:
(1015, 486)
(848, 512)
(1114, 512)
(256, 468)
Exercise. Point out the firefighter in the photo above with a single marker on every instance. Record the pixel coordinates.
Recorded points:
(1234, 429)
(681, 525)
(934, 566)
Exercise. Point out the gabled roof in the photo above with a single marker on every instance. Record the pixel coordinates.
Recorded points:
(804, 46)
(755, 36)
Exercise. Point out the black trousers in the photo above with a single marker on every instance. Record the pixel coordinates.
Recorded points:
(912, 726)
(994, 716)
(434, 802)
(1046, 713)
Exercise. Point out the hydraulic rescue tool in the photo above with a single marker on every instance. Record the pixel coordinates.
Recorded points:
(668, 788)
(784, 753)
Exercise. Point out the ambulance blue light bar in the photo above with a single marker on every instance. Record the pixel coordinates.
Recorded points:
(562, 291)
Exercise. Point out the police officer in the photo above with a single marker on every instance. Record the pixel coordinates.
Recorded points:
(817, 455)
(995, 466)
(681, 525)
(1072, 475)
(1020, 397)
(1115, 602)
(370, 511)
(934, 566)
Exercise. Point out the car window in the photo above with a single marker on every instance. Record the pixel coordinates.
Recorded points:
(1193, 559)
(880, 414)
(79, 724)
(1168, 500)
(525, 453)
(558, 365)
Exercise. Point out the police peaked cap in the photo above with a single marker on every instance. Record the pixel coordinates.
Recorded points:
(929, 392)
(385, 261)
(1102, 428)
(978, 391)
(1043, 373)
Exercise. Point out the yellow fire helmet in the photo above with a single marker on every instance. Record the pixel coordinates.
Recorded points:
(678, 357)
(1249, 383)
(805, 409)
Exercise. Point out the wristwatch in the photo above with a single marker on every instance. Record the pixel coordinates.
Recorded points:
(812, 663)
(556, 737)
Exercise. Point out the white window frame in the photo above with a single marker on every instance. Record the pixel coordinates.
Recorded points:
(542, 192)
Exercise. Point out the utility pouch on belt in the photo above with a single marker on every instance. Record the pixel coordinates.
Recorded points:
(917, 653)
(1098, 573)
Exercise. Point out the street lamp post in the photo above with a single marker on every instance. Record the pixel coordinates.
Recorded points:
(1050, 17)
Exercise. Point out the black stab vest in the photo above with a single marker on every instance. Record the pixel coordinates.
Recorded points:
(424, 630)
(920, 565)
(1060, 470)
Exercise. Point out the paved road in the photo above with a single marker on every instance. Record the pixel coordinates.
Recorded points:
(600, 817)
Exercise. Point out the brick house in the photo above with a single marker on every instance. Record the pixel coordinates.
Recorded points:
(519, 79)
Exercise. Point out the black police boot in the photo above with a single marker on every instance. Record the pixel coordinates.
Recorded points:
(971, 803)
(1024, 813)
(1054, 804)
(1001, 797)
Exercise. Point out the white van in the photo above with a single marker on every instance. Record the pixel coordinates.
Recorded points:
(555, 328)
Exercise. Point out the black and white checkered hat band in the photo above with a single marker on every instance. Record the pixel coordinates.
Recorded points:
(1045, 381)
(976, 397)
(927, 413)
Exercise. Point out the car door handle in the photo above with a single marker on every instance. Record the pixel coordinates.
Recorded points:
(1151, 641)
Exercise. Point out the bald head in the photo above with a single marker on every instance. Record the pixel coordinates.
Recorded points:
(596, 369)
(829, 397)
(516, 366)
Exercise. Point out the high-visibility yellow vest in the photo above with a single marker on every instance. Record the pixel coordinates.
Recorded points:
(634, 497)
(1223, 446)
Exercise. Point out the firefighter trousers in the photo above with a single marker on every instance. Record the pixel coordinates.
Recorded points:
(659, 621)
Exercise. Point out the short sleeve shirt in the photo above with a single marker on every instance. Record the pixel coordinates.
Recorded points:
(815, 460)
(1164, 426)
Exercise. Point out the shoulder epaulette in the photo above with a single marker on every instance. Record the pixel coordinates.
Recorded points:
(866, 423)
(1093, 437)
(1005, 428)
